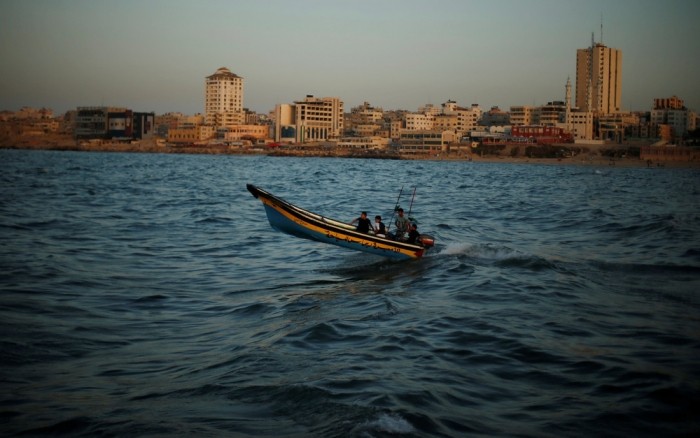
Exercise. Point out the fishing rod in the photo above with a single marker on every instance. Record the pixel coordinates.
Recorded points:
(396, 207)
(411, 206)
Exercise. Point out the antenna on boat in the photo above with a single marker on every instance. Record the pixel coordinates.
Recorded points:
(411, 206)
(396, 207)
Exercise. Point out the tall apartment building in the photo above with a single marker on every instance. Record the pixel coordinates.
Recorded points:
(599, 79)
(310, 120)
(223, 99)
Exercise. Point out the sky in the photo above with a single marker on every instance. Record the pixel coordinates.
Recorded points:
(154, 55)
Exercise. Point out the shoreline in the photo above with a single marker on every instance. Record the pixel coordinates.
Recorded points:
(592, 158)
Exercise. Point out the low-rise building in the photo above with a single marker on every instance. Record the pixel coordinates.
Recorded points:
(541, 134)
(244, 132)
(113, 123)
(371, 142)
(425, 142)
(191, 134)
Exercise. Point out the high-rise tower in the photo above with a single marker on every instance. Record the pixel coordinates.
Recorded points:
(599, 79)
(223, 99)
(567, 115)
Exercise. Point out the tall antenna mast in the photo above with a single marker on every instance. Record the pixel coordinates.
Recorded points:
(601, 28)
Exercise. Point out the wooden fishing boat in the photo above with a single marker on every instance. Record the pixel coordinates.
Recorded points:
(290, 219)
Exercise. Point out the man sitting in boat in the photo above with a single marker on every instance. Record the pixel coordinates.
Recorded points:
(413, 235)
(379, 228)
(363, 224)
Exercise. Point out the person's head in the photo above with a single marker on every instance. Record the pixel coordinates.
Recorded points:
(400, 210)
(363, 215)
(378, 218)
(414, 226)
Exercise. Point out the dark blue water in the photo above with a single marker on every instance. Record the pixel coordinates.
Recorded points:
(146, 295)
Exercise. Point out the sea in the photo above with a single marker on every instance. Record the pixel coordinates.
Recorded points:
(147, 295)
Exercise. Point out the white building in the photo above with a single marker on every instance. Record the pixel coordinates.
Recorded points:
(677, 119)
(223, 99)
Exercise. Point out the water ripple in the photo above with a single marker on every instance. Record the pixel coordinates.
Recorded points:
(140, 300)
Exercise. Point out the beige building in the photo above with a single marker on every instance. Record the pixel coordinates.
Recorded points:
(370, 142)
(467, 118)
(599, 79)
(366, 113)
(245, 132)
(313, 119)
(366, 130)
(444, 122)
(419, 121)
(521, 115)
(551, 114)
(223, 99)
(452, 117)
(191, 134)
(425, 142)
(580, 125)
(395, 127)
(429, 109)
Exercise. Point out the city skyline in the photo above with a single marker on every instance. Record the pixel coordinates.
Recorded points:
(154, 56)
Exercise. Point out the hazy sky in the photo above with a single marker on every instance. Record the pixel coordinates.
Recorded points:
(154, 55)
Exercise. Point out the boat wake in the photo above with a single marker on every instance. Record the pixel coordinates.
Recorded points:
(498, 256)
(480, 251)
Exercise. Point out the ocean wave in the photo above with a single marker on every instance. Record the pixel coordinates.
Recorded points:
(557, 302)
(393, 424)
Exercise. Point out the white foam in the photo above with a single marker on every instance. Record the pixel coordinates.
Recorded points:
(391, 423)
(456, 249)
(481, 251)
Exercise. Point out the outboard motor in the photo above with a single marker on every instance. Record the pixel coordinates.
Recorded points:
(426, 240)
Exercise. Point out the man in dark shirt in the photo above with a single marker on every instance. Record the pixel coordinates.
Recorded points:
(363, 224)
(379, 227)
(413, 235)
